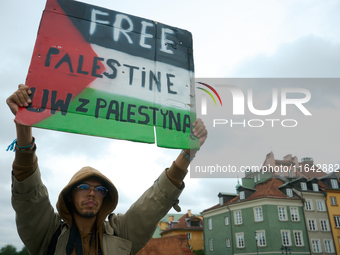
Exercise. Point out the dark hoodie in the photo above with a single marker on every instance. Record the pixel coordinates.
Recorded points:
(109, 204)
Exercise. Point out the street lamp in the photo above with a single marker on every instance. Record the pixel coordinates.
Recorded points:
(287, 249)
(257, 247)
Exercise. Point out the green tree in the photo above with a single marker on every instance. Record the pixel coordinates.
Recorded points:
(8, 250)
(23, 251)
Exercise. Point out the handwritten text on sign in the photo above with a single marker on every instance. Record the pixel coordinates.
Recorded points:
(100, 72)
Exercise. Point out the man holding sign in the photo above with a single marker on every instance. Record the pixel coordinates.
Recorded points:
(79, 227)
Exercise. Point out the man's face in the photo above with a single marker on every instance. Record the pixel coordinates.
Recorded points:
(87, 206)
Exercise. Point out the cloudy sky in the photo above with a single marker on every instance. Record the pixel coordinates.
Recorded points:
(231, 39)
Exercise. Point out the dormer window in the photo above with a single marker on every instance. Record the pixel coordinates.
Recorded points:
(334, 183)
(221, 200)
(242, 195)
(303, 186)
(195, 223)
(315, 187)
(289, 192)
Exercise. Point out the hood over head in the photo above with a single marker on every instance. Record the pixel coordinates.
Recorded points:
(109, 202)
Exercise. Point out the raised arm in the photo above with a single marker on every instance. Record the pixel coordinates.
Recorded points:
(20, 98)
(35, 217)
(157, 200)
(178, 170)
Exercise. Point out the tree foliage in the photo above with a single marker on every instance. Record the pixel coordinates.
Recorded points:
(11, 250)
(198, 252)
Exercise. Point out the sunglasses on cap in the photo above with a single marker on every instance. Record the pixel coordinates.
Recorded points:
(85, 189)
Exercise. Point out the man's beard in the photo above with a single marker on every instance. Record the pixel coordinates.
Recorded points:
(88, 214)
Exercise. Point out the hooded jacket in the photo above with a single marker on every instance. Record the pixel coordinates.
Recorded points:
(120, 234)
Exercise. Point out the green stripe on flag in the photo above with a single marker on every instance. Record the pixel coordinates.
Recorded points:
(99, 113)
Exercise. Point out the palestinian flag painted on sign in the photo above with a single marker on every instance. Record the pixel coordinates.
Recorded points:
(100, 72)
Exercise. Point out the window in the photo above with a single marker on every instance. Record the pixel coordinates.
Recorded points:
(194, 223)
(289, 192)
(210, 223)
(282, 174)
(221, 200)
(309, 205)
(285, 234)
(261, 238)
(315, 187)
(324, 225)
(242, 196)
(334, 183)
(240, 240)
(255, 178)
(290, 173)
(282, 213)
(333, 201)
(238, 217)
(312, 225)
(303, 186)
(321, 206)
(189, 236)
(316, 245)
(298, 238)
(211, 244)
(258, 214)
(328, 246)
(258, 177)
(226, 220)
(227, 242)
(294, 213)
(337, 221)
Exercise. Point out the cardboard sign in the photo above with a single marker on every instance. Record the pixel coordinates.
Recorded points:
(100, 72)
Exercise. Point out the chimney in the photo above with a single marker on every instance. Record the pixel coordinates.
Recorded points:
(189, 213)
(171, 218)
(288, 157)
(308, 160)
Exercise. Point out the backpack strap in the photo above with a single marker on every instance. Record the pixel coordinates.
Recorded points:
(53, 243)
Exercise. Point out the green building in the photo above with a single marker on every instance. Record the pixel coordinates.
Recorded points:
(259, 220)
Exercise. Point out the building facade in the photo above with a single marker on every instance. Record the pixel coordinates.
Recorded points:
(163, 224)
(315, 215)
(190, 225)
(263, 220)
(332, 191)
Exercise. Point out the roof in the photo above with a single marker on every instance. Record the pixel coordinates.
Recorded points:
(322, 185)
(266, 189)
(184, 224)
(270, 189)
(176, 216)
(227, 194)
(333, 175)
(165, 219)
(244, 187)
(170, 245)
